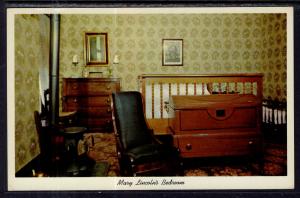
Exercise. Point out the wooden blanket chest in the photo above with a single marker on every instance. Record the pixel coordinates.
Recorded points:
(215, 125)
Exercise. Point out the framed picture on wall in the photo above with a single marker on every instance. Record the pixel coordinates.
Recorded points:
(172, 52)
(95, 49)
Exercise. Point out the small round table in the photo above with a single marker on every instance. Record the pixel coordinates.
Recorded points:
(72, 136)
(67, 118)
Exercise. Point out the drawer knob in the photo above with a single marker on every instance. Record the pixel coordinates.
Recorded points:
(75, 100)
(250, 142)
(108, 110)
(108, 100)
(188, 147)
(108, 87)
(74, 87)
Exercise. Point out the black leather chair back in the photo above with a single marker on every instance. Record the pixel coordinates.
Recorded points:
(130, 120)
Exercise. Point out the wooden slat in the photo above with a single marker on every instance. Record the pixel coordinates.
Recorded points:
(186, 88)
(227, 87)
(161, 100)
(152, 94)
(170, 90)
(235, 87)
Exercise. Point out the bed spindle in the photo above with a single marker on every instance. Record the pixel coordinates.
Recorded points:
(161, 99)
(235, 87)
(152, 94)
(186, 88)
(170, 90)
(227, 87)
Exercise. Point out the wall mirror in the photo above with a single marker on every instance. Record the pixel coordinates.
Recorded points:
(96, 50)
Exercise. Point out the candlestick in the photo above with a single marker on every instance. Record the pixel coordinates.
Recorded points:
(116, 59)
(75, 60)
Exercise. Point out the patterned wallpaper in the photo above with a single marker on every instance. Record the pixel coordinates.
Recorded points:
(31, 52)
(213, 43)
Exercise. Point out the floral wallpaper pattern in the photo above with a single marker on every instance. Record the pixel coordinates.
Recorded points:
(31, 53)
(213, 43)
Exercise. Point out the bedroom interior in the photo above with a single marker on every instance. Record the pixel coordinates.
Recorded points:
(222, 104)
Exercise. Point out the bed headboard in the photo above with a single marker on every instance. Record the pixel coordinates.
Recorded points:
(157, 89)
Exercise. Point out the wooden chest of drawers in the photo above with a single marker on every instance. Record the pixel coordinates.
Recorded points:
(215, 125)
(90, 97)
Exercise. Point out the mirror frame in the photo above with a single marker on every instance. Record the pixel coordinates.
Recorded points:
(89, 50)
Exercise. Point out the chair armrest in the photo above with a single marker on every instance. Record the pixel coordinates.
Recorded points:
(151, 131)
(155, 140)
(165, 138)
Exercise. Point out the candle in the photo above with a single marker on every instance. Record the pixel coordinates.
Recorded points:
(75, 59)
(116, 59)
(33, 172)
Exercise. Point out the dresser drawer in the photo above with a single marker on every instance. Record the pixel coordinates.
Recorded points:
(75, 103)
(94, 112)
(90, 88)
(209, 145)
(97, 123)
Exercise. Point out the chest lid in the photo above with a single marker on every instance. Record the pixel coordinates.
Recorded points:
(213, 101)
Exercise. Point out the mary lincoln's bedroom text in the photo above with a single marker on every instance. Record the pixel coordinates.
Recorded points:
(149, 182)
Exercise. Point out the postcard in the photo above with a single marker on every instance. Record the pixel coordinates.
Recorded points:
(216, 85)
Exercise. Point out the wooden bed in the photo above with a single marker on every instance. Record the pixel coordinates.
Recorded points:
(158, 89)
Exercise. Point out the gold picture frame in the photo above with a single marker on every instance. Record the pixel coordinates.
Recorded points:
(95, 49)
